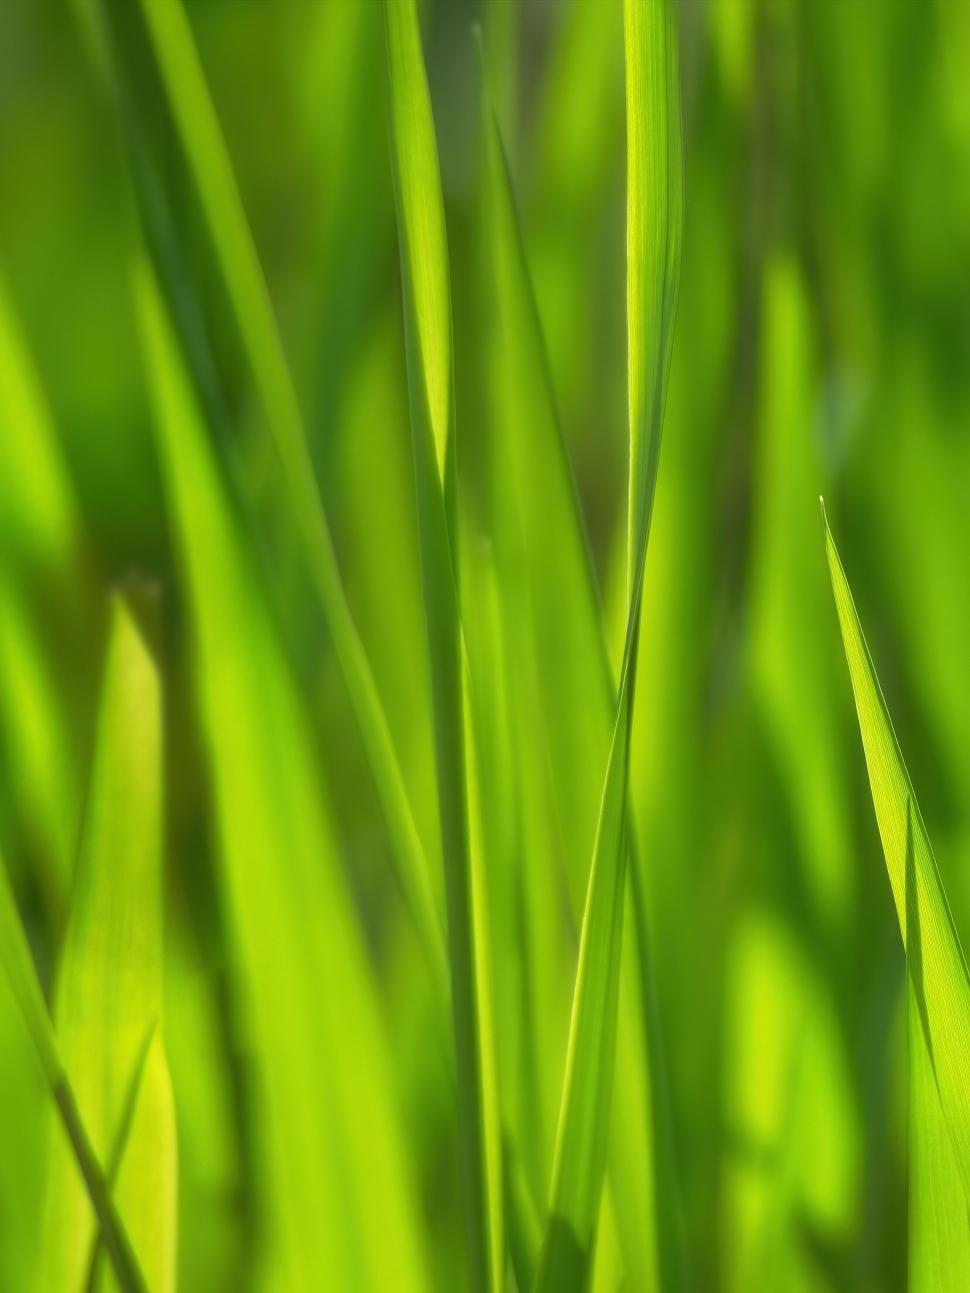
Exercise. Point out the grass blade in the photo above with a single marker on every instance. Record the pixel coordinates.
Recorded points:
(539, 528)
(18, 966)
(154, 40)
(654, 217)
(427, 319)
(335, 1185)
(939, 1221)
(109, 987)
(936, 968)
(120, 1144)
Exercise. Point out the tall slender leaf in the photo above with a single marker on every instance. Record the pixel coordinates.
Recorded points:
(427, 325)
(560, 661)
(654, 216)
(938, 984)
(335, 1185)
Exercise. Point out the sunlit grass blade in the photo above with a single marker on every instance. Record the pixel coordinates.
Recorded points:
(539, 529)
(582, 1139)
(334, 1183)
(427, 327)
(18, 966)
(109, 982)
(936, 966)
(939, 1219)
(154, 40)
(654, 218)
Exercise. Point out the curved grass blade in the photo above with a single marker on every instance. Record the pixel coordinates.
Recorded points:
(654, 218)
(152, 44)
(335, 1185)
(936, 967)
(109, 984)
(18, 966)
(427, 326)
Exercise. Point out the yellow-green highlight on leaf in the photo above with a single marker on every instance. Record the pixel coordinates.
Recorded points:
(427, 330)
(937, 968)
(109, 982)
(334, 1182)
(236, 263)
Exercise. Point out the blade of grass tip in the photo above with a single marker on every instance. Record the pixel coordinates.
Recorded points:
(109, 980)
(166, 29)
(937, 968)
(654, 218)
(17, 963)
(334, 1180)
(427, 320)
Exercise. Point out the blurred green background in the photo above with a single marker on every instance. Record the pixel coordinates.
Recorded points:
(822, 345)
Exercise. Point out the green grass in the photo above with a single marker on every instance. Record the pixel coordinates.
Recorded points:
(436, 845)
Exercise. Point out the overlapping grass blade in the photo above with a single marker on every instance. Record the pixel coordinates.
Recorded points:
(938, 985)
(539, 529)
(109, 985)
(152, 46)
(18, 966)
(654, 217)
(334, 1184)
(119, 1145)
(427, 325)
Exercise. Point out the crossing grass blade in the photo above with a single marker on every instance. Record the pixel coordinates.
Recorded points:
(154, 55)
(539, 528)
(334, 1182)
(109, 982)
(938, 985)
(654, 219)
(427, 329)
(18, 967)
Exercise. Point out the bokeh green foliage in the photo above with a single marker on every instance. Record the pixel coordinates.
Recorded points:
(205, 382)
